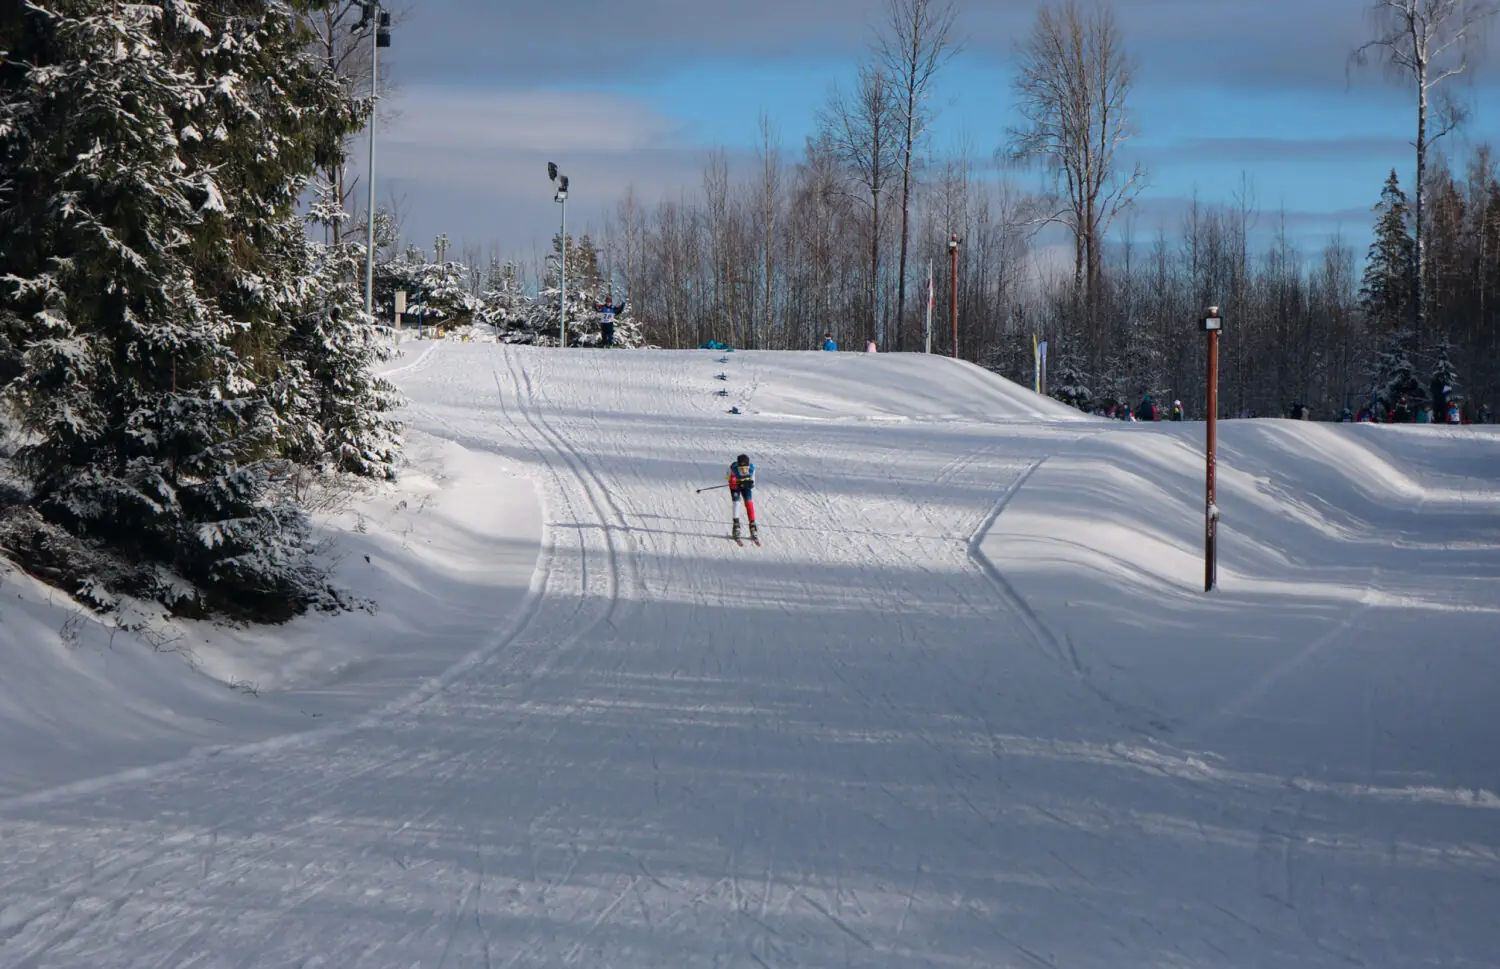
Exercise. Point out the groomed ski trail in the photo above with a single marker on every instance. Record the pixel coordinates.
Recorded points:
(851, 747)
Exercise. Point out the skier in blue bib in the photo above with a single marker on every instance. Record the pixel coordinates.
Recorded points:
(607, 312)
(741, 478)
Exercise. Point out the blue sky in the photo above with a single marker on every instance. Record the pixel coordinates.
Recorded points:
(635, 94)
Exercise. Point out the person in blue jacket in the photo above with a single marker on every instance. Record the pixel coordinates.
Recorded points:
(741, 478)
(607, 313)
(828, 343)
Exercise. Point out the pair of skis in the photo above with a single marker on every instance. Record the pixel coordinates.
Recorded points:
(737, 539)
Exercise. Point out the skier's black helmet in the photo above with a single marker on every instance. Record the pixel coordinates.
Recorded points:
(742, 459)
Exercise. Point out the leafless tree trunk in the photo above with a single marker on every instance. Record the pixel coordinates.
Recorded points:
(1424, 43)
(915, 44)
(1072, 86)
(862, 132)
(347, 55)
(823, 189)
(770, 203)
(630, 216)
(716, 195)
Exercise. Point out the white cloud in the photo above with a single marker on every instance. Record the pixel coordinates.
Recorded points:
(535, 120)
(472, 163)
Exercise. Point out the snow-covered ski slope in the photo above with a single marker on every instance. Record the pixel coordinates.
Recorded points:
(968, 706)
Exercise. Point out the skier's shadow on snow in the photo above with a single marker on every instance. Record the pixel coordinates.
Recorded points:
(779, 527)
(597, 527)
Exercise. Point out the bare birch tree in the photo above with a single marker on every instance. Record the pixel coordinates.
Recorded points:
(716, 195)
(770, 205)
(1073, 82)
(631, 243)
(915, 43)
(862, 131)
(1424, 43)
(347, 55)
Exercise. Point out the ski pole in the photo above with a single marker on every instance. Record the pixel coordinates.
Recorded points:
(714, 488)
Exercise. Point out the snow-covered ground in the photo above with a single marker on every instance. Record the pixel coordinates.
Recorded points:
(968, 706)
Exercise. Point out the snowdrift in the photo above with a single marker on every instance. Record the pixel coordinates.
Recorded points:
(446, 557)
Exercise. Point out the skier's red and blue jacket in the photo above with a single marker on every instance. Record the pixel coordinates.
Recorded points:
(741, 478)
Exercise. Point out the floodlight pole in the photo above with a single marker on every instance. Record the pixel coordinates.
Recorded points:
(562, 275)
(1212, 324)
(370, 232)
(377, 21)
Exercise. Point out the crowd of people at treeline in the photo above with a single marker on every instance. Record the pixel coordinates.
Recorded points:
(1403, 412)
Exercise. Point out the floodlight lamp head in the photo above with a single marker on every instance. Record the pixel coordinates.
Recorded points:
(562, 183)
(552, 171)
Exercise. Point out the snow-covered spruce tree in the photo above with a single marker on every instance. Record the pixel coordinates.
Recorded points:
(440, 290)
(336, 413)
(1116, 385)
(1395, 387)
(504, 304)
(1145, 363)
(332, 413)
(1444, 384)
(587, 291)
(582, 295)
(1068, 381)
(1385, 293)
(1010, 356)
(161, 147)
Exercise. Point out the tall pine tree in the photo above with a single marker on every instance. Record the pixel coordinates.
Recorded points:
(1444, 384)
(154, 153)
(1386, 291)
(336, 412)
(1396, 389)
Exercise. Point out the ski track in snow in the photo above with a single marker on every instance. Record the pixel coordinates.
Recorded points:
(856, 745)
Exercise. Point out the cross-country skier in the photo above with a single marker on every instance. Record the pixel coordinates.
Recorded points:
(607, 312)
(741, 478)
